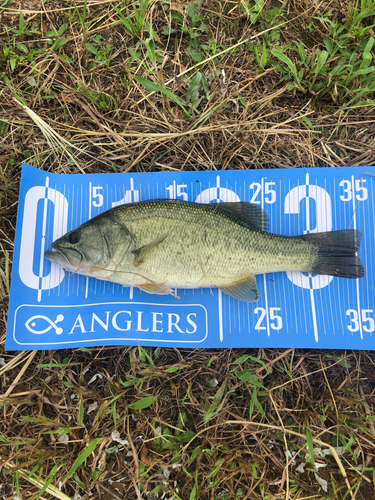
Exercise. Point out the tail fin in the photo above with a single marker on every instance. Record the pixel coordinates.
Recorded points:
(336, 253)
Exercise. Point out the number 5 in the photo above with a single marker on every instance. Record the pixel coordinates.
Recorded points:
(279, 322)
(181, 192)
(367, 319)
(271, 192)
(361, 189)
(99, 196)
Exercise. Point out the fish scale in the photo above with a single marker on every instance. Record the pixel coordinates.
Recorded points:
(206, 246)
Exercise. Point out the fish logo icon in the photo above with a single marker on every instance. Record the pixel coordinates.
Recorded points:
(32, 324)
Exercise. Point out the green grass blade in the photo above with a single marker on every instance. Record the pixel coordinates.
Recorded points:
(301, 51)
(245, 357)
(252, 402)
(304, 119)
(127, 23)
(195, 453)
(216, 401)
(48, 481)
(363, 71)
(286, 60)
(310, 444)
(259, 408)
(83, 456)
(80, 412)
(150, 46)
(245, 376)
(51, 490)
(143, 403)
(152, 87)
(323, 56)
(194, 491)
(367, 56)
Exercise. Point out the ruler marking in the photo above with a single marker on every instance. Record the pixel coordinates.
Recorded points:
(357, 279)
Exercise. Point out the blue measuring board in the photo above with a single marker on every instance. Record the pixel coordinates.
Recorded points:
(49, 310)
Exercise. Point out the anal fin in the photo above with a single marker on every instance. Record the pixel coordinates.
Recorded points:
(157, 289)
(245, 290)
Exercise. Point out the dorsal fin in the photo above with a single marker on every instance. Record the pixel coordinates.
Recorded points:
(254, 214)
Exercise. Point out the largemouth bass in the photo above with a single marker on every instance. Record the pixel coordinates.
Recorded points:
(159, 245)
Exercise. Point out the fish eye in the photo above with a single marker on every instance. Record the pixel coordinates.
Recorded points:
(74, 237)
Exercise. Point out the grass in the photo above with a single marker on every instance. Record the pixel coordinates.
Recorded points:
(152, 86)
(136, 431)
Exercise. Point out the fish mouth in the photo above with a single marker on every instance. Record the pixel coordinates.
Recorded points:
(58, 256)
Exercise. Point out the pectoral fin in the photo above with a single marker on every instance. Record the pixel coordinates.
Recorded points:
(140, 253)
(157, 289)
(245, 289)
